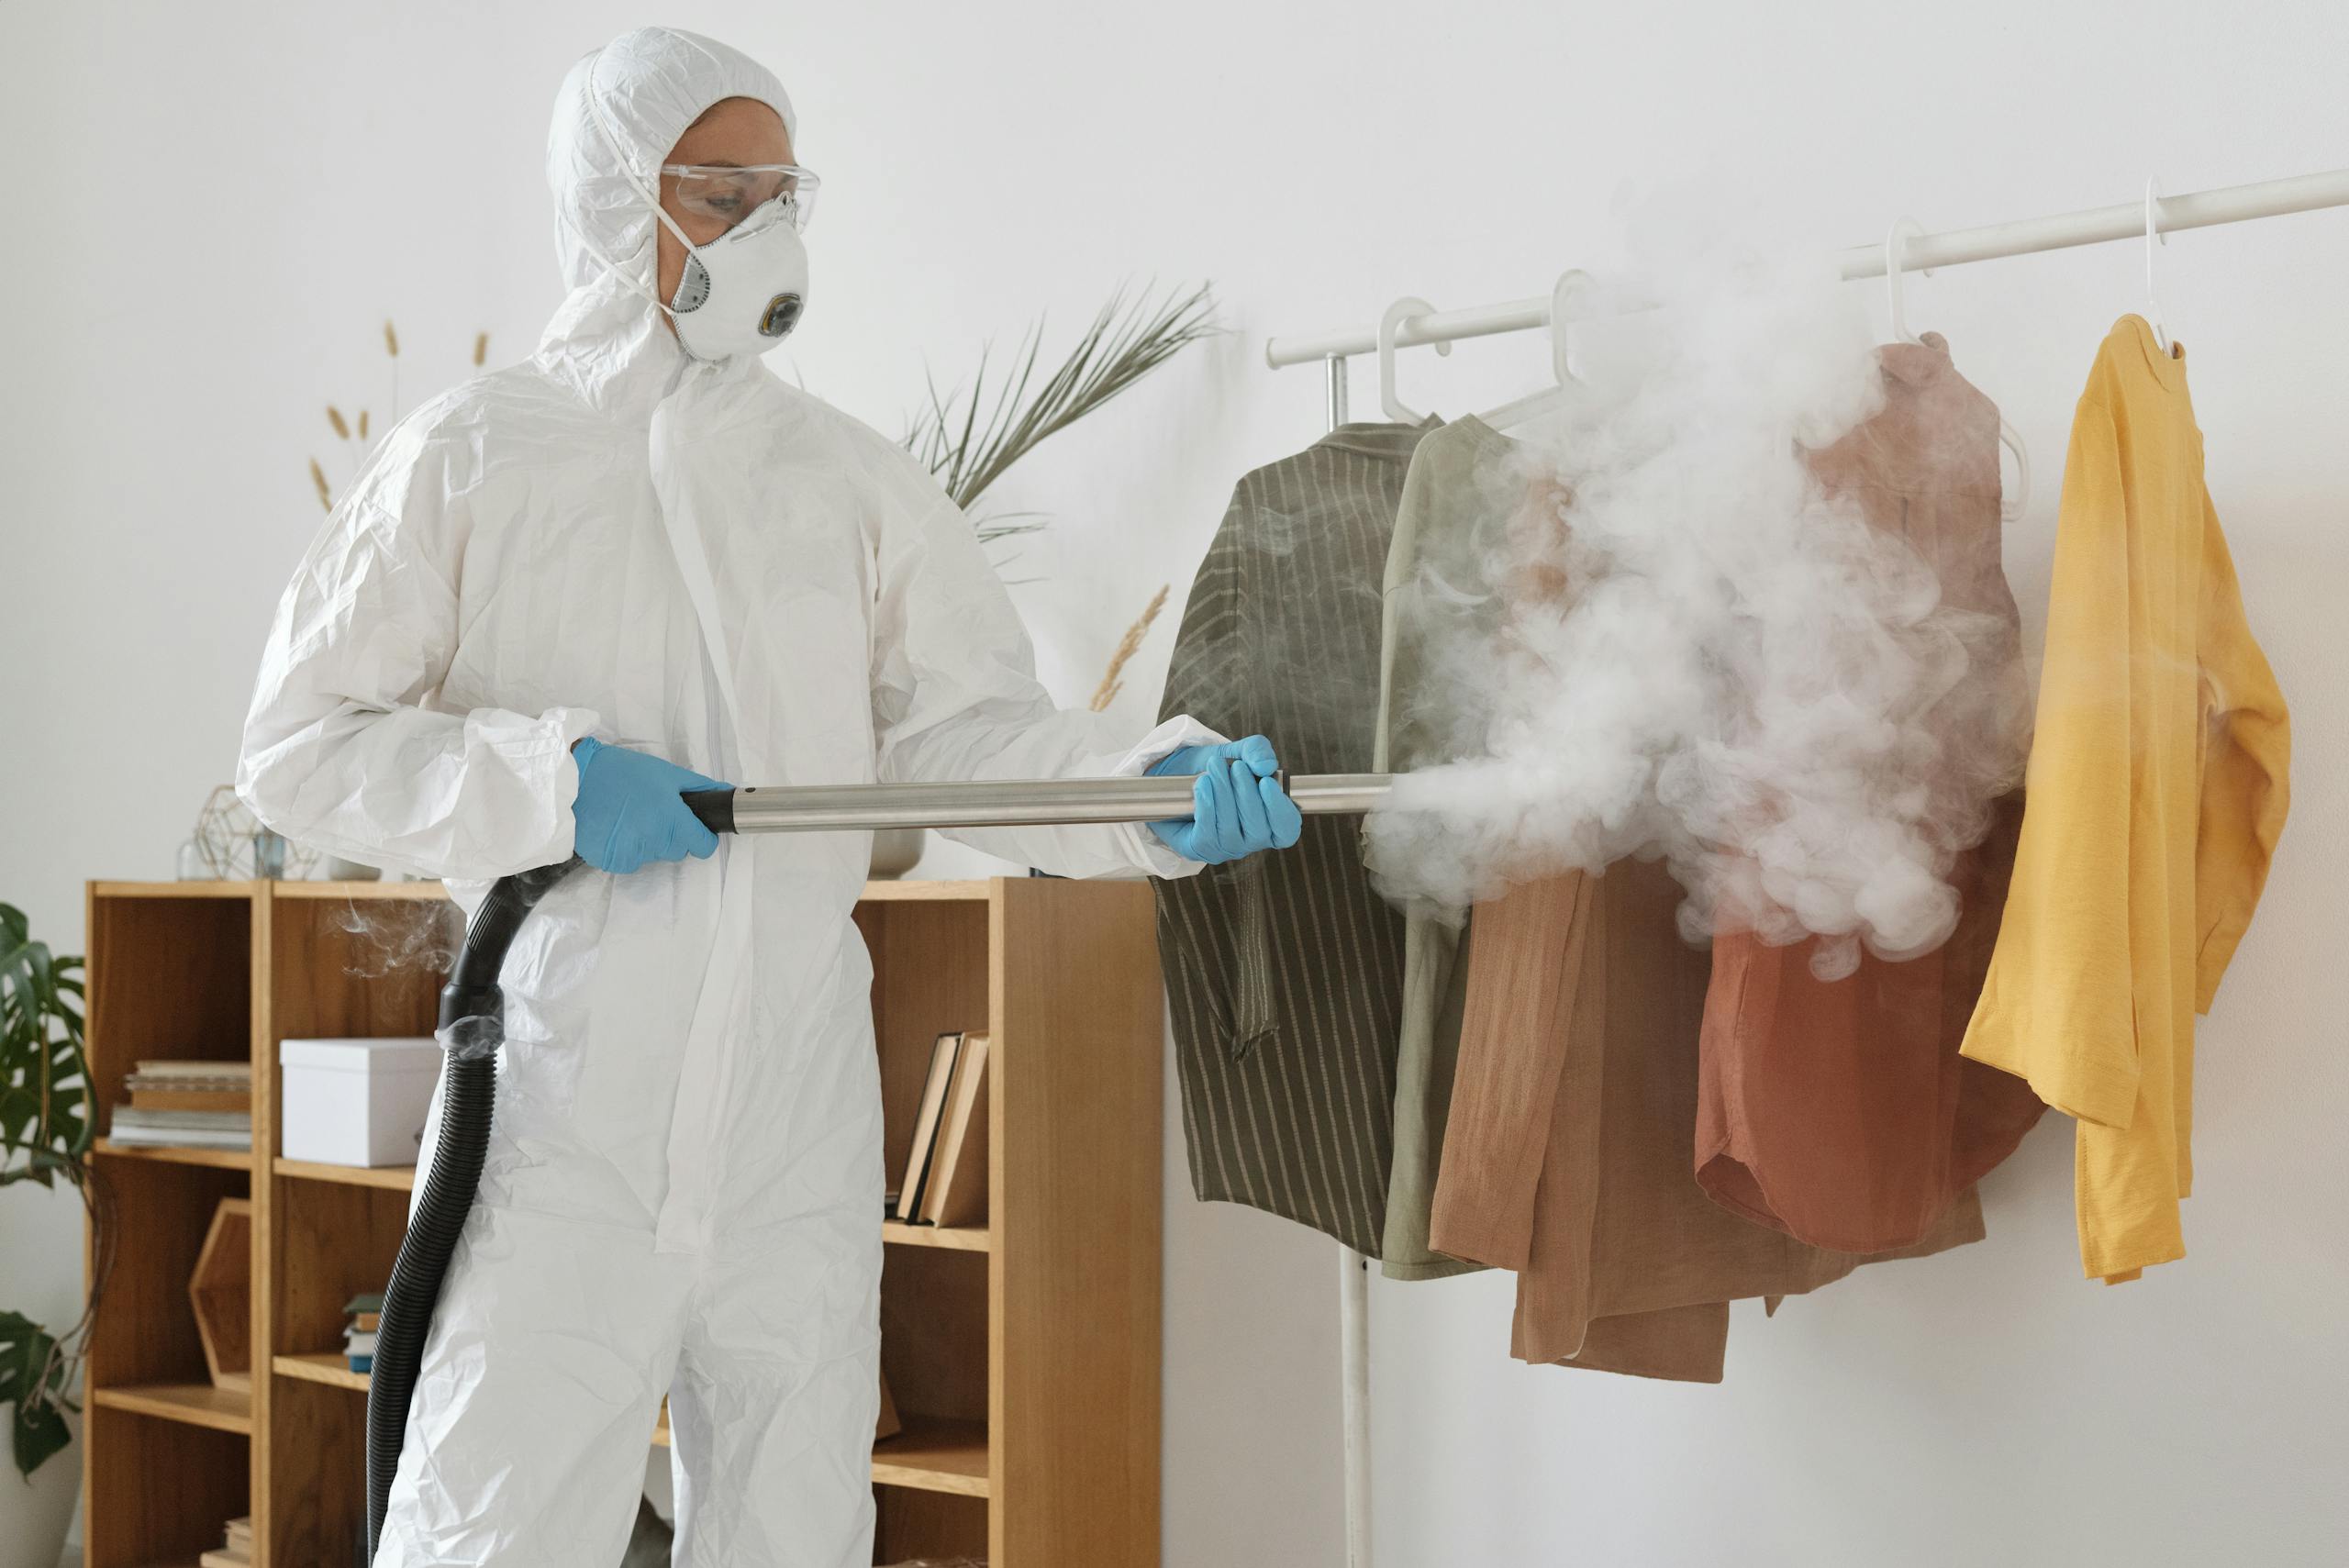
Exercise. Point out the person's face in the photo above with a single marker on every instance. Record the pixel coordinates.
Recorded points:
(733, 130)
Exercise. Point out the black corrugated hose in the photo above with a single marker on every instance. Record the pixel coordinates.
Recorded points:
(473, 1025)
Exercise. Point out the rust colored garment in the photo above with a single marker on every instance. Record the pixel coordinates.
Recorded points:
(1840, 1110)
(1566, 1150)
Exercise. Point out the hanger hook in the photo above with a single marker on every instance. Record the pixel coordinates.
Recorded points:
(2013, 503)
(1896, 246)
(2154, 234)
(1388, 324)
(1572, 284)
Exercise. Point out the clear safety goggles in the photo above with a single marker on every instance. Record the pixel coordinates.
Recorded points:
(727, 192)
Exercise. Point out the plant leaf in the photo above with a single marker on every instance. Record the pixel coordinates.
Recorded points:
(24, 1360)
(45, 1116)
(41, 1435)
(46, 1131)
(1124, 342)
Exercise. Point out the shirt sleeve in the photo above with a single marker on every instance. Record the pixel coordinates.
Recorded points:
(2246, 768)
(2057, 1009)
(955, 698)
(344, 750)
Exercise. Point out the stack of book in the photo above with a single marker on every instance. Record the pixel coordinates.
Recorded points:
(238, 1552)
(946, 1172)
(189, 1105)
(358, 1339)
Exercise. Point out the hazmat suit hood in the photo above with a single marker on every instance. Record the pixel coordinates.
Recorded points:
(618, 112)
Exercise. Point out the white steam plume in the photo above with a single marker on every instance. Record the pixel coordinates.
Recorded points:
(1666, 639)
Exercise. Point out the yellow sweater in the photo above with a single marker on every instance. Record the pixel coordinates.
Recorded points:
(2156, 790)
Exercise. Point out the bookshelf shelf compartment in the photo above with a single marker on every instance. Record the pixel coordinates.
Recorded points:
(331, 1368)
(947, 1237)
(196, 1404)
(935, 1456)
(926, 892)
(348, 891)
(172, 1154)
(394, 1178)
(243, 891)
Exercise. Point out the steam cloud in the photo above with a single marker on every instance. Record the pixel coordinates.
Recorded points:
(389, 936)
(1666, 639)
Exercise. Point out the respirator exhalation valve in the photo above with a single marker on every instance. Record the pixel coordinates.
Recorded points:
(782, 315)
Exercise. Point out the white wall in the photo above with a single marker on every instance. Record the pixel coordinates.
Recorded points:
(210, 209)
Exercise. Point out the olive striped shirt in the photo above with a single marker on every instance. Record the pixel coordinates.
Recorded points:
(1285, 972)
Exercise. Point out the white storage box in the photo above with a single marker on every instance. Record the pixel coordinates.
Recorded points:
(356, 1102)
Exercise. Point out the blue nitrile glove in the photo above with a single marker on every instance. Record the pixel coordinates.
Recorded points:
(630, 808)
(1237, 807)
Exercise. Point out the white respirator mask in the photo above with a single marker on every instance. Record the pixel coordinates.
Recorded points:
(744, 290)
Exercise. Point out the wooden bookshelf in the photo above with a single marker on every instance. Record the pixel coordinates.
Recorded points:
(1023, 1354)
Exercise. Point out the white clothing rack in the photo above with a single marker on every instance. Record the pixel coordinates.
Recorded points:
(2139, 219)
(2091, 226)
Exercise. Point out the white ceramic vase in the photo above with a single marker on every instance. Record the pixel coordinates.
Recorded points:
(35, 1514)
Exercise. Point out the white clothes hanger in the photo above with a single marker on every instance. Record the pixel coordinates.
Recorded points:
(1565, 294)
(2153, 234)
(1896, 241)
(1409, 306)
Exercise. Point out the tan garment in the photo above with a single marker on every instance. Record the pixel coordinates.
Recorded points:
(1684, 1344)
(1572, 1107)
(1839, 1110)
(1501, 1156)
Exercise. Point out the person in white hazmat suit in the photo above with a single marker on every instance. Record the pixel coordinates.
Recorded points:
(560, 594)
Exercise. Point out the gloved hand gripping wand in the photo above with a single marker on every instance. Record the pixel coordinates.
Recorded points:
(473, 1013)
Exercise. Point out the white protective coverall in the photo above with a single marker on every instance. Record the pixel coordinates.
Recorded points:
(683, 1195)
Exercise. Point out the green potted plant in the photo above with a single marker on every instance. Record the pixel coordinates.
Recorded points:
(970, 437)
(47, 1123)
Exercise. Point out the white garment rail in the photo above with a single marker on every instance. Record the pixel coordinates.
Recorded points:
(2092, 226)
(2124, 221)
(1354, 1284)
